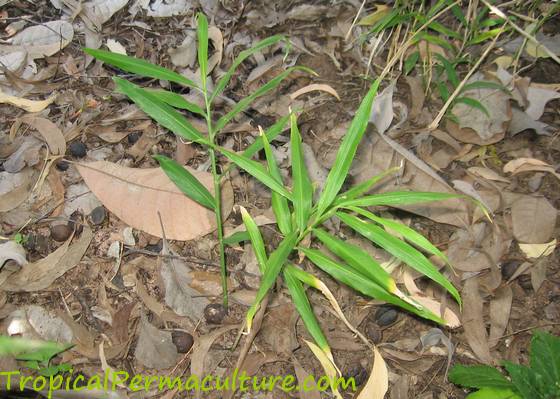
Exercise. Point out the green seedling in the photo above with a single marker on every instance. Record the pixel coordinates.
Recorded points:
(539, 380)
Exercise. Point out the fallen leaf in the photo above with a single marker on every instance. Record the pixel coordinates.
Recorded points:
(538, 274)
(377, 384)
(329, 366)
(202, 346)
(500, 308)
(115, 47)
(41, 274)
(538, 98)
(302, 375)
(11, 250)
(137, 195)
(433, 337)
(184, 55)
(100, 11)
(42, 40)
(314, 87)
(25, 104)
(534, 219)
(520, 165)
(487, 173)
(50, 132)
(49, 326)
(382, 113)
(520, 121)
(165, 8)
(473, 323)
(155, 348)
(15, 188)
(538, 250)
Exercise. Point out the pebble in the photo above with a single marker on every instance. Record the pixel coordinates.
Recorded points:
(60, 232)
(182, 340)
(98, 215)
(214, 313)
(133, 137)
(62, 165)
(77, 149)
(385, 316)
(509, 267)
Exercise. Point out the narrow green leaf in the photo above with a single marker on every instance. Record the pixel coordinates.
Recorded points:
(444, 30)
(478, 377)
(458, 13)
(397, 198)
(176, 101)
(484, 84)
(482, 37)
(301, 190)
(346, 275)
(471, 102)
(435, 40)
(347, 151)
(186, 182)
(409, 234)
(256, 239)
(280, 205)
(358, 259)
(256, 170)
(299, 299)
(236, 238)
(411, 62)
(224, 80)
(443, 90)
(400, 249)
(202, 36)
(162, 113)
(272, 269)
(449, 70)
(364, 186)
(271, 133)
(139, 67)
(245, 102)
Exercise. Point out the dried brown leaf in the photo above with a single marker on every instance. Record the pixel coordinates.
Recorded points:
(473, 323)
(500, 307)
(534, 219)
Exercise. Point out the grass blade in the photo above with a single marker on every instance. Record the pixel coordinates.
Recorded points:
(186, 182)
(365, 186)
(236, 238)
(245, 102)
(397, 198)
(301, 190)
(256, 239)
(301, 302)
(224, 80)
(202, 33)
(139, 67)
(409, 234)
(271, 133)
(176, 101)
(358, 259)
(256, 170)
(162, 113)
(280, 205)
(347, 150)
(346, 275)
(400, 249)
(272, 269)
(473, 103)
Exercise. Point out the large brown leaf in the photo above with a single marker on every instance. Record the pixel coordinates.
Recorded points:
(137, 195)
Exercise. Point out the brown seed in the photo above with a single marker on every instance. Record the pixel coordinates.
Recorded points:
(214, 313)
(60, 232)
(385, 316)
(372, 331)
(182, 340)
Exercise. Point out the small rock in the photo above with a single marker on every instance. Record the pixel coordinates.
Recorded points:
(182, 340)
(62, 165)
(60, 232)
(98, 215)
(385, 316)
(214, 313)
(77, 149)
(509, 267)
(133, 137)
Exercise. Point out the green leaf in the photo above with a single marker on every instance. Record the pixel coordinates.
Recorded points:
(256, 170)
(443, 90)
(471, 102)
(245, 102)
(478, 377)
(494, 393)
(411, 62)
(299, 298)
(347, 151)
(525, 381)
(139, 67)
(202, 33)
(364, 186)
(545, 357)
(224, 80)
(484, 84)
(271, 133)
(186, 182)
(449, 70)
(280, 205)
(301, 190)
(435, 40)
(176, 100)
(272, 269)
(162, 113)
(482, 37)
(409, 234)
(458, 13)
(256, 239)
(398, 198)
(358, 259)
(399, 249)
(359, 282)
(237, 237)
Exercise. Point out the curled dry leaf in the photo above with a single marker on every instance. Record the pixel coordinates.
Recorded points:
(520, 165)
(487, 173)
(475, 330)
(14, 189)
(11, 250)
(50, 132)
(315, 87)
(536, 251)
(534, 219)
(137, 195)
(155, 348)
(41, 274)
(42, 40)
(25, 104)
(202, 346)
(500, 307)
